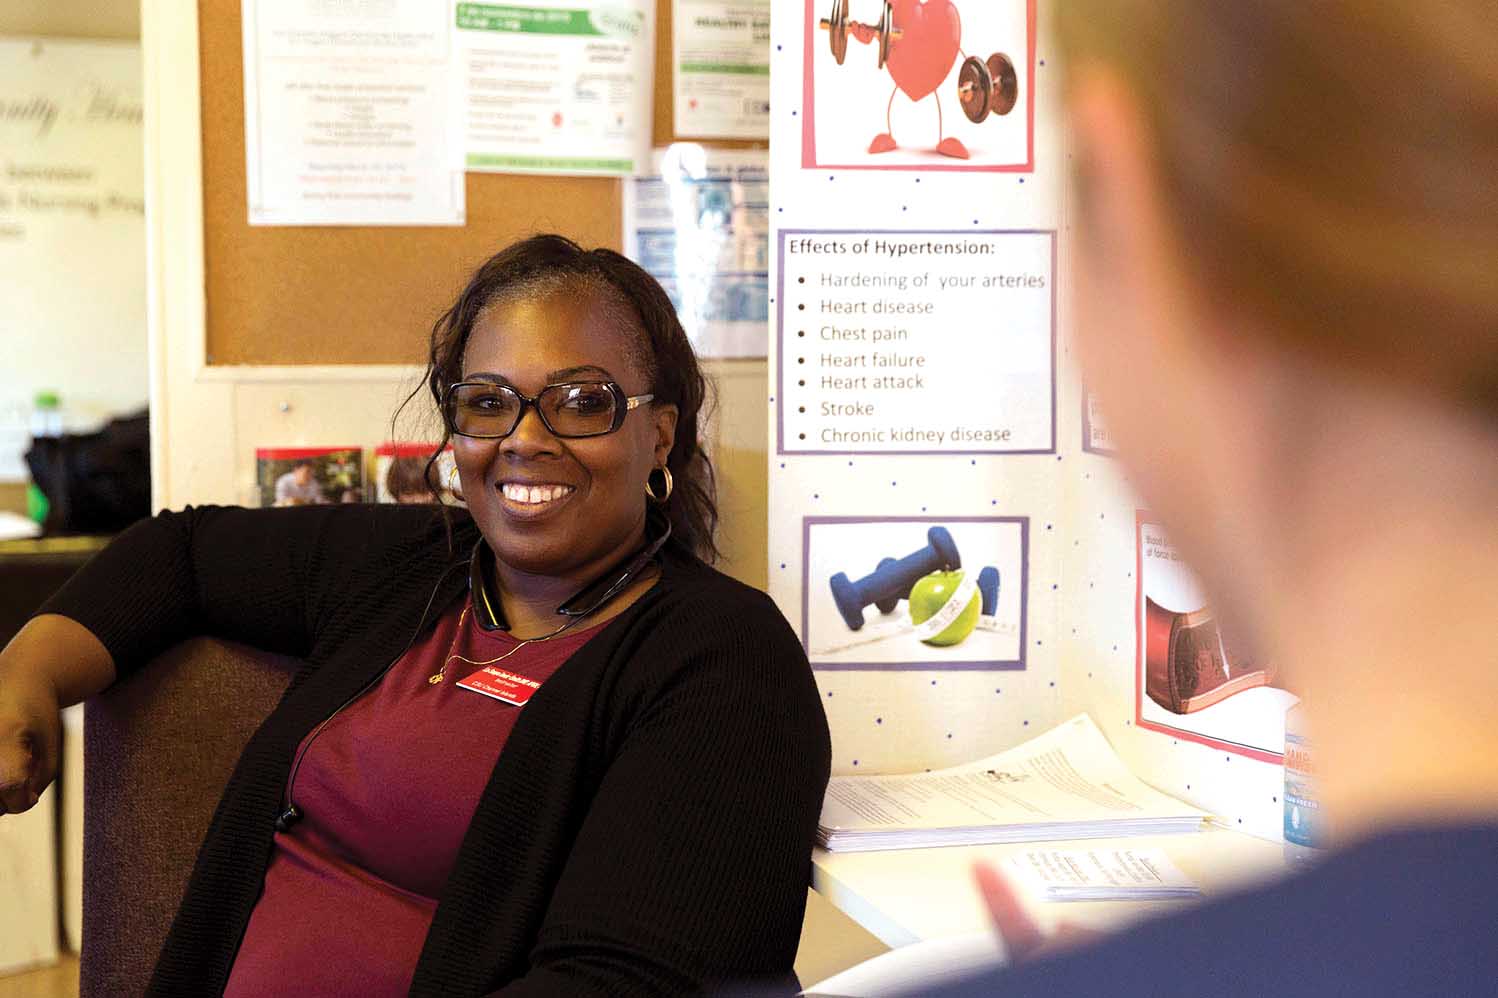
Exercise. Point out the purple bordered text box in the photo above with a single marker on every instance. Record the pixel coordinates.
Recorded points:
(1012, 665)
(780, 352)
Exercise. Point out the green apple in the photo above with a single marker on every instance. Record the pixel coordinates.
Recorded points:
(930, 593)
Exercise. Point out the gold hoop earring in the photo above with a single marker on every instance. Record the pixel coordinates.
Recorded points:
(666, 473)
(454, 485)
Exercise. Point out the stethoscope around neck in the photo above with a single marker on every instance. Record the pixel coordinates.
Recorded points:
(489, 614)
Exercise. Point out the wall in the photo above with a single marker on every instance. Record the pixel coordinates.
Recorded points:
(27, 843)
(100, 391)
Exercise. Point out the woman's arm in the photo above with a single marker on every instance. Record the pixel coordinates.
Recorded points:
(692, 867)
(53, 662)
(264, 577)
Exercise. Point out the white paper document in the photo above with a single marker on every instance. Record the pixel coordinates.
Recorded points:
(349, 113)
(721, 55)
(699, 223)
(1099, 875)
(556, 86)
(1065, 784)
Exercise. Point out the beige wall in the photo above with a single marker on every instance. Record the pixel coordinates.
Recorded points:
(93, 19)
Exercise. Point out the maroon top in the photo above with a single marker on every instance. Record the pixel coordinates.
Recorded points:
(386, 791)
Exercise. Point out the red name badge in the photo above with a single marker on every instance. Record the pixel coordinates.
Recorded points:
(501, 685)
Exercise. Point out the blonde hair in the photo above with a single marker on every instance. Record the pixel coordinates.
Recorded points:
(1331, 165)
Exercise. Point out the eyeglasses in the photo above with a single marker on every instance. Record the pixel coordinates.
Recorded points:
(491, 411)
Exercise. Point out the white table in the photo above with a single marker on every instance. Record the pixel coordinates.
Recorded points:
(904, 896)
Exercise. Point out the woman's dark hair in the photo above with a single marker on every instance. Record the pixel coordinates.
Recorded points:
(546, 264)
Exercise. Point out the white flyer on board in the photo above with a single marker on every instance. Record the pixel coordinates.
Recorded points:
(349, 114)
(721, 63)
(556, 86)
(699, 223)
(1100, 875)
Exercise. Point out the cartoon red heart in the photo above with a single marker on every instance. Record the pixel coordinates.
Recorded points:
(930, 35)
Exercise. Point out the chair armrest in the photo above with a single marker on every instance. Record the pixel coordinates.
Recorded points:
(158, 749)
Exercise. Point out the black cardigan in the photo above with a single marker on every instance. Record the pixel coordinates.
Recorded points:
(647, 828)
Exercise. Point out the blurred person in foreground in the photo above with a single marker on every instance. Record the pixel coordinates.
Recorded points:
(1286, 262)
(537, 746)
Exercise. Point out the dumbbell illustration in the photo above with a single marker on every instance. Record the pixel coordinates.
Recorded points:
(985, 88)
(886, 605)
(837, 25)
(891, 581)
(988, 587)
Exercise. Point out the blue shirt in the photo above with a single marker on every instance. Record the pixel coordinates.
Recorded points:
(1412, 912)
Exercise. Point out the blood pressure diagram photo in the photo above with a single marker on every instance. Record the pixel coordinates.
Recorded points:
(919, 84)
(1195, 678)
(902, 592)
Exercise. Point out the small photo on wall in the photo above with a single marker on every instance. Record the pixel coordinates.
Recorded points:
(919, 85)
(914, 592)
(309, 476)
(401, 474)
(1195, 679)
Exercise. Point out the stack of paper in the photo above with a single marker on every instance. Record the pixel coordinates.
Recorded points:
(1065, 784)
(1100, 875)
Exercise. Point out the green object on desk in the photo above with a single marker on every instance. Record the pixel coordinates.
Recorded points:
(37, 506)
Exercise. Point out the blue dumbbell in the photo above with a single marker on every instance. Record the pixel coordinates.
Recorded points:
(892, 580)
(887, 605)
(988, 586)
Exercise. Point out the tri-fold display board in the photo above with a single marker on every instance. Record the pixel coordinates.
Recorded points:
(949, 529)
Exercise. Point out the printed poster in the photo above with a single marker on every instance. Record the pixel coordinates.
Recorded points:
(556, 86)
(721, 60)
(916, 342)
(955, 90)
(349, 114)
(699, 223)
(309, 476)
(1196, 680)
(915, 592)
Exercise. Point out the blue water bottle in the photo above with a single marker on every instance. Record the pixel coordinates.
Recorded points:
(1304, 831)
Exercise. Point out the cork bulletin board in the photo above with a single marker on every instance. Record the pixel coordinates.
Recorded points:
(351, 295)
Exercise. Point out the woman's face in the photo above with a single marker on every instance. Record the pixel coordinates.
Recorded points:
(550, 506)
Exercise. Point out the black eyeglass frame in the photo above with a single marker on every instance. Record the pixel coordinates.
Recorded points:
(623, 405)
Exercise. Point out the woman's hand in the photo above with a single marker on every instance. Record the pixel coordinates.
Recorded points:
(52, 663)
(30, 733)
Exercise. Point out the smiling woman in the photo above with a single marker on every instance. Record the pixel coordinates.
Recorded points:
(566, 374)
(540, 747)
